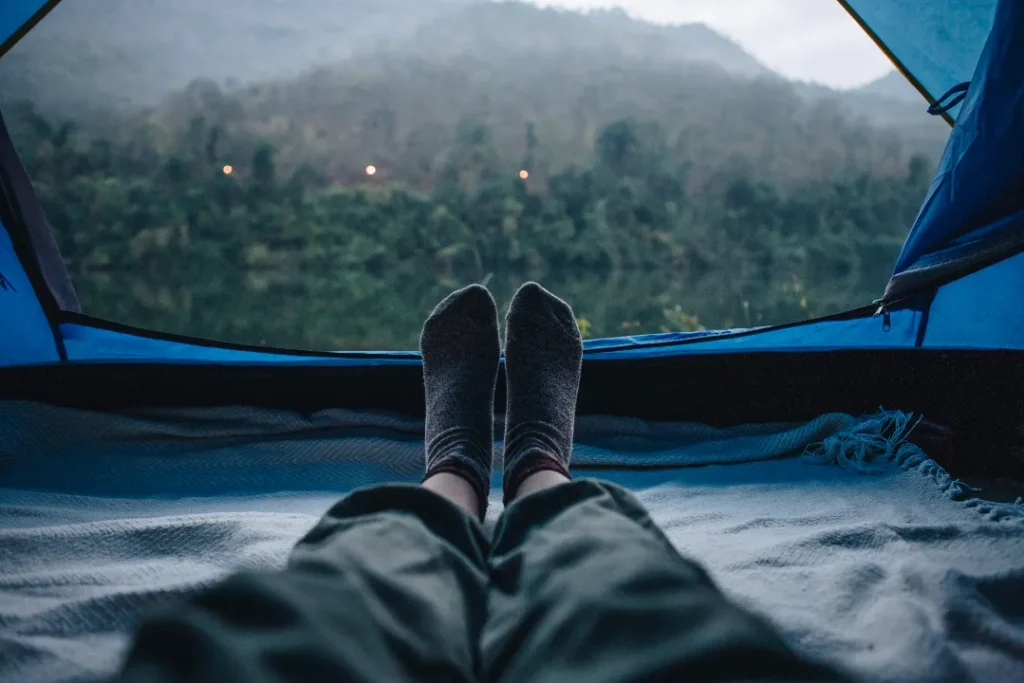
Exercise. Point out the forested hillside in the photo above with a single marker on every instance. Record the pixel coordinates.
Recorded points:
(659, 177)
(89, 53)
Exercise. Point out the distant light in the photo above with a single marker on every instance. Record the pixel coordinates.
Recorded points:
(524, 174)
(371, 170)
(228, 169)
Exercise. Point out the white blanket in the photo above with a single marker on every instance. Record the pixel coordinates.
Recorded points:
(898, 575)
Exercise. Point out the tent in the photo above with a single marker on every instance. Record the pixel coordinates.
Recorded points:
(944, 338)
(132, 507)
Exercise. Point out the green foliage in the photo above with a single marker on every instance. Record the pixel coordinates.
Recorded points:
(171, 241)
(673, 183)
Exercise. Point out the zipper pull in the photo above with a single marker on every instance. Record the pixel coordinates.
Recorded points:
(884, 312)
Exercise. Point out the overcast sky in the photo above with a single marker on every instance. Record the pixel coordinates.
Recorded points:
(810, 40)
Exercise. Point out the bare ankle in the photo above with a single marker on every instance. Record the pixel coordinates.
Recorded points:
(456, 489)
(538, 481)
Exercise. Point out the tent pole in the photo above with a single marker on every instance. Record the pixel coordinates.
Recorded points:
(892, 58)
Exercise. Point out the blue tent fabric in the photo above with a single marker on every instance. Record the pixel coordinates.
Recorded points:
(85, 343)
(14, 14)
(26, 335)
(982, 310)
(856, 333)
(974, 210)
(40, 253)
(937, 43)
(88, 343)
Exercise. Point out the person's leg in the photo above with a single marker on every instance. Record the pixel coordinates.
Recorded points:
(460, 349)
(584, 586)
(391, 585)
(543, 357)
(455, 489)
(538, 481)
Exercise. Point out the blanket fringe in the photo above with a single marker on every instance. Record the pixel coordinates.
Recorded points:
(879, 443)
(871, 446)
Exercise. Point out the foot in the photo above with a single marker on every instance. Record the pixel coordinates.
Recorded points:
(461, 350)
(543, 357)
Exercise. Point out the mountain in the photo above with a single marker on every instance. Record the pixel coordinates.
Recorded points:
(96, 54)
(890, 103)
(387, 76)
(892, 86)
(522, 28)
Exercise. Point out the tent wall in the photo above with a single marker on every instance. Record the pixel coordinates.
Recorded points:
(981, 311)
(34, 283)
(898, 330)
(31, 232)
(974, 211)
(25, 333)
(91, 340)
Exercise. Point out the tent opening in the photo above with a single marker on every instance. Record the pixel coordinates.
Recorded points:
(318, 176)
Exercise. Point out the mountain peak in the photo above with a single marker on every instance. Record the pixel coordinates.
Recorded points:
(892, 86)
(524, 27)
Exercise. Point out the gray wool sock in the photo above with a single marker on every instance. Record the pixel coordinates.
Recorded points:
(460, 348)
(543, 356)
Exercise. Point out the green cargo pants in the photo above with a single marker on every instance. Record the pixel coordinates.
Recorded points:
(397, 584)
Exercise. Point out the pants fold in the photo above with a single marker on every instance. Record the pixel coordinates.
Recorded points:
(391, 585)
(586, 587)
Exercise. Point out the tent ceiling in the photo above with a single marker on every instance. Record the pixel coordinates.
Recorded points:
(935, 44)
(17, 17)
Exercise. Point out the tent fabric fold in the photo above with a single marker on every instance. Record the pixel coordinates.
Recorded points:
(974, 211)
